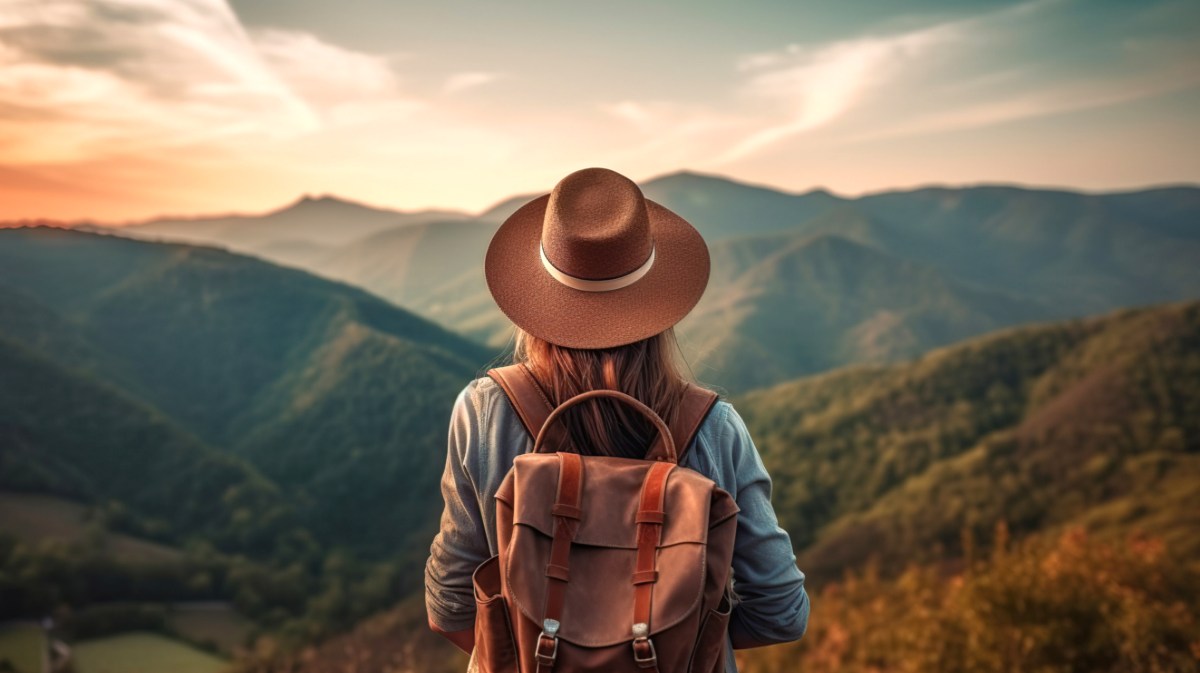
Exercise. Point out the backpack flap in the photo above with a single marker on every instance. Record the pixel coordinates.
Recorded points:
(600, 591)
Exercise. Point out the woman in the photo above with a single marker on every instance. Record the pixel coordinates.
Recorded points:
(595, 276)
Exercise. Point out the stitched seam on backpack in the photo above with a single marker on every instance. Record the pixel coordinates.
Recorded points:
(536, 386)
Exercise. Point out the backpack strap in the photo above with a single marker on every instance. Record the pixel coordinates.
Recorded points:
(567, 514)
(694, 408)
(526, 396)
(650, 517)
(530, 401)
(533, 407)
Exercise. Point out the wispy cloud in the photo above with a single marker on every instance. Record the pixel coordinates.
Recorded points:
(135, 89)
(670, 133)
(666, 117)
(91, 77)
(632, 111)
(321, 73)
(144, 105)
(461, 81)
(1140, 68)
(1038, 102)
(83, 78)
(817, 85)
(964, 73)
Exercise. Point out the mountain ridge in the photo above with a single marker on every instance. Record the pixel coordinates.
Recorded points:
(303, 198)
(221, 343)
(1039, 425)
(1076, 252)
(823, 300)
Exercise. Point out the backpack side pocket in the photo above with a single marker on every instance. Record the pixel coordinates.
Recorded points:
(495, 648)
(708, 656)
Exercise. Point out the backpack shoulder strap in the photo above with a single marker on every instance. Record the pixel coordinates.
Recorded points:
(694, 408)
(534, 407)
(525, 395)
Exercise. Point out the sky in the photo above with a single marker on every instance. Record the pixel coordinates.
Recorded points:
(118, 110)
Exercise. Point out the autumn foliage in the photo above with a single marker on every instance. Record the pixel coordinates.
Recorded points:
(1076, 604)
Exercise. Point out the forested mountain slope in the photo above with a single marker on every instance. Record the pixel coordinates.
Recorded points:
(335, 395)
(1003, 255)
(1092, 421)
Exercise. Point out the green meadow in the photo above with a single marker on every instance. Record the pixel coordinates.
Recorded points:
(21, 648)
(141, 652)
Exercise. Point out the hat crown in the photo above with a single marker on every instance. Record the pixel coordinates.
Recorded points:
(596, 226)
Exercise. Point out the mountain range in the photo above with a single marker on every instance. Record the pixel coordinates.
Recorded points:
(137, 371)
(801, 283)
(1091, 422)
(903, 484)
(904, 399)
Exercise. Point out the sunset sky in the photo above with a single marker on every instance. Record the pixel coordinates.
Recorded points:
(124, 109)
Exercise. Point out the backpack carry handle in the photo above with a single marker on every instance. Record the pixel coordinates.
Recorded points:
(646, 411)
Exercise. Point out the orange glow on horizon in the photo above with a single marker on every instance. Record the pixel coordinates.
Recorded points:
(107, 114)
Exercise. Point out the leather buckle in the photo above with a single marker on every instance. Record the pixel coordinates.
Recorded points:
(641, 634)
(547, 639)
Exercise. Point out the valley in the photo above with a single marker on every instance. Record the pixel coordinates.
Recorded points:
(221, 438)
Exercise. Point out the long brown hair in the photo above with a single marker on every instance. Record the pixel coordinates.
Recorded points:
(650, 370)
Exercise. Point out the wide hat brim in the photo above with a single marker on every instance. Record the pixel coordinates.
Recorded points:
(542, 306)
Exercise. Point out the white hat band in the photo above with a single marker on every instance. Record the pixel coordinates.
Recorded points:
(597, 285)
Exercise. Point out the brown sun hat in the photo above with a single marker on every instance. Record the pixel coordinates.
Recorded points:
(595, 264)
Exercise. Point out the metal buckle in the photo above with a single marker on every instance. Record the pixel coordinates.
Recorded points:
(641, 633)
(550, 632)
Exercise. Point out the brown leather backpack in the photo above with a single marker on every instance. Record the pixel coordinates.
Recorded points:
(605, 563)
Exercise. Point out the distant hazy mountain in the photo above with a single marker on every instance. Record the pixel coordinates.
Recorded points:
(410, 264)
(720, 208)
(335, 395)
(716, 206)
(1092, 252)
(807, 304)
(324, 220)
(988, 256)
(1092, 422)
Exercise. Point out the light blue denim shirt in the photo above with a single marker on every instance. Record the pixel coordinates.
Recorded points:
(486, 434)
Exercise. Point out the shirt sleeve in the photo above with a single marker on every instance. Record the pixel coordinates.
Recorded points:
(461, 544)
(772, 604)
